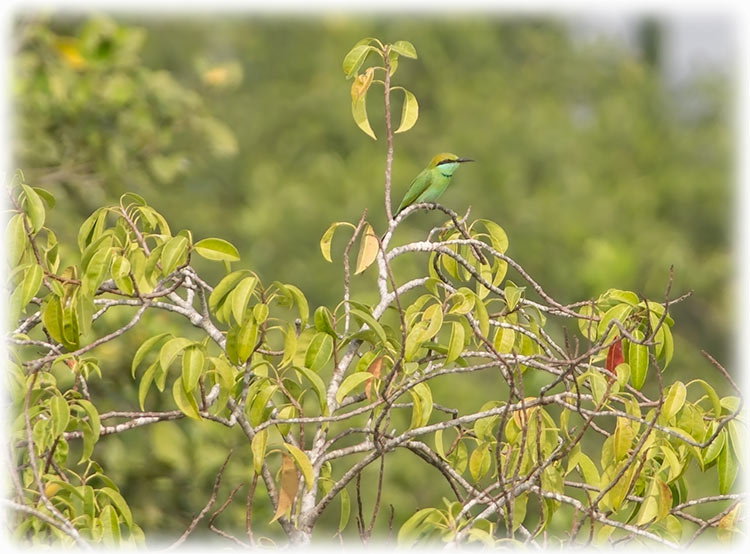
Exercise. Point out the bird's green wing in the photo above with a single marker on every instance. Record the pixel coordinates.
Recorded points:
(420, 184)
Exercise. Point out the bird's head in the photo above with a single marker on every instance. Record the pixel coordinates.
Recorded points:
(447, 162)
(447, 158)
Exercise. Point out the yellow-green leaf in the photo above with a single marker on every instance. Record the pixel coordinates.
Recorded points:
(456, 344)
(674, 400)
(192, 366)
(405, 48)
(34, 209)
(409, 112)
(638, 360)
(217, 250)
(352, 382)
(303, 463)
(185, 401)
(16, 238)
(359, 113)
(325, 240)
(258, 447)
(504, 340)
(368, 249)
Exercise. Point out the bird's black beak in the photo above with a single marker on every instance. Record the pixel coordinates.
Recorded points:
(462, 160)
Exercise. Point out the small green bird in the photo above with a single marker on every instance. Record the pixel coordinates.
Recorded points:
(432, 181)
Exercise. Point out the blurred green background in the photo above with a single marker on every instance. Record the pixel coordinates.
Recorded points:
(602, 172)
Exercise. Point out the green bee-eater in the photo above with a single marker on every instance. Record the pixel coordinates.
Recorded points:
(432, 181)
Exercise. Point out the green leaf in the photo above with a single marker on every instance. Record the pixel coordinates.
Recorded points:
(241, 296)
(674, 401)
(60, 414)
(479, 462)
(301, 301)
(185, 401)
(247, 337)
(146, 379)
(324, 321)
(371, 322)
(623, 438)
(52, 318)
(456, 344)
(171, 349)
(260, 403)
(512, 296)
(144, 349)
(355, 58)
(318, 386)
(498, 237)
(110, 526)
(173, 254)
(16, 239)
(96, 269)
(598, 386)
(359, 113)
(422, 397)
(483, 317)
(34, 209)
(727, 468)
(46, 196)
(32, 281)
(368, 249)
(350, 383)
(319, 351)
(192, 366)
(225, 286)
(345, 509)
(258, 447)
(405, 48)
(638, 360)
(93, 415)
(92, 228)
(715, 401)
(504, 340)
(325, 240)
(217, 250)
(618, 312)
(304, 464)
(712, 451)
(410, 530)
(120, 503)
(409, 112)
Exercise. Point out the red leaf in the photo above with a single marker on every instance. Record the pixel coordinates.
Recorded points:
(375, 367)
(614, 356)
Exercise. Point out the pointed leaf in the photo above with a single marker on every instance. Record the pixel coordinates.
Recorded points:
(355, 58)
(409, 112)
(287, 488)
(258, 447)
(303, 462)
(241, 296)
(34, 209)
(405, 48)
(368, 249)
(185, 401)
(16, 239)
(359, 113)
(325, 240)
(350, 383)
(456, 344)
(192, 367)
(144, 349)
(217, 250)
(225, 286)
(171, 350)
(638, 360)
(173, 254)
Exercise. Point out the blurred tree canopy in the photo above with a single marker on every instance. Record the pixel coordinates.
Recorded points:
(239, 127)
